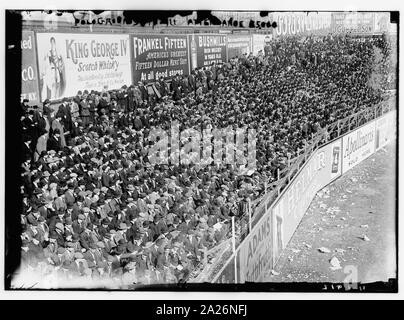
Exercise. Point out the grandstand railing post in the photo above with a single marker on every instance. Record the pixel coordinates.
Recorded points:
(235, 269)
(233, 234)
(249, 216)
(277, 179)
(339, 127)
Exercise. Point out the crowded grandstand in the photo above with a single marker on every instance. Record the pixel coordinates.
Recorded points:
(95, 206)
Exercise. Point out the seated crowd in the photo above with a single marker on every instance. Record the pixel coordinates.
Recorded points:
(95, 207)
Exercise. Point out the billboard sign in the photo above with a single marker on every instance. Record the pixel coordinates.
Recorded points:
(260, 41)
(69, 62)
(358, 145)
(359, 23)
(29, 72)
(255, 252)
(385, 129)
(206, 49)
(301, 23)
(156, 56)
(323, 167)
(238, 45)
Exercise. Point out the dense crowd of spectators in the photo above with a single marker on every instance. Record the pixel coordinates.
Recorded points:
(94, 206)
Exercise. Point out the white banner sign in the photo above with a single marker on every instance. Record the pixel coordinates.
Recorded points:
(385, 129)
(260, 41)
(358, 145)
(69, 62)
(294, 23)
(255, 252)
(323, 167)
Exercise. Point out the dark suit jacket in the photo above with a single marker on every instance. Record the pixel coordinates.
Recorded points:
(85, 240)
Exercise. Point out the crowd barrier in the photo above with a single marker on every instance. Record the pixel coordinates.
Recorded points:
(255, 243)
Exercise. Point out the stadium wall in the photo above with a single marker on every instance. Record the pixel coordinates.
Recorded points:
(260, 250)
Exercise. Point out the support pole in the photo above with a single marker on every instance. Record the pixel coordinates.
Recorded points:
(249, 216)
(235, 269)
(339, 129)
(277, 174)
(233, 232)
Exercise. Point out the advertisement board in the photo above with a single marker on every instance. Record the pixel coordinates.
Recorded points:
(359, 23)
(255, 252)
(29, 72)
(322, 167)
(382, 21)
(238, 45)
(205, 49)
(358, 145)
(260, 41)
(301, 23)
(385, 129)
(156, 56)
(69, 62)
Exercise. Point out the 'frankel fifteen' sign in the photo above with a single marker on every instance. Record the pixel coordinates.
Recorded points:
(157, 56)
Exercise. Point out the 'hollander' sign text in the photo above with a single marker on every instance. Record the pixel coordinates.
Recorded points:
(358, 145)
(157, 56)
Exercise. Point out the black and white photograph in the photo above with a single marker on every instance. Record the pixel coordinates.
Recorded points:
(199, 150)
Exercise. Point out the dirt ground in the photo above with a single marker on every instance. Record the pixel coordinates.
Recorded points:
(349, 229)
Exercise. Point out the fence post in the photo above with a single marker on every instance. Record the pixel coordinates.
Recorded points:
(339, 129)
(375, 111)
(288, 168)
(235, 269)
(205, 256)
(357, 119)
(277, 179)
(312, 142)
(249, 215)
(233, 234)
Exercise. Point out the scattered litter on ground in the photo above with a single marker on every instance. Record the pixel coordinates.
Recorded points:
(335, 264)
(364, 238)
